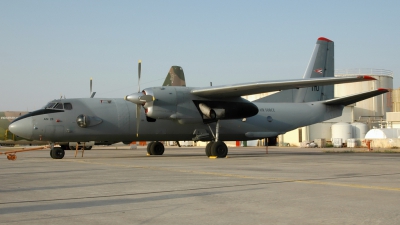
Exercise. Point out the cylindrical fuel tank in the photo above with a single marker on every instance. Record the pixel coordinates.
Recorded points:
(359, 130)
(343, 131)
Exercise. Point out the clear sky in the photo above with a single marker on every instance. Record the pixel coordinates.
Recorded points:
(53, 48)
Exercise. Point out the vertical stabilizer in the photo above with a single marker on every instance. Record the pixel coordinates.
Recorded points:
(321, 65)
(175, 77)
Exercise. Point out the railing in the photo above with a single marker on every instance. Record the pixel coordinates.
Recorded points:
(363, 71)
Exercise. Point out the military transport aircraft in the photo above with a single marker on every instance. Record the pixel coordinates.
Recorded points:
(215, 114)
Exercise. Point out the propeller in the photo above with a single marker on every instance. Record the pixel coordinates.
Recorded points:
(139, 98)
(138, 105)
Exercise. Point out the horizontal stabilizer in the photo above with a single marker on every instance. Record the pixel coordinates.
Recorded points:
(350, 99)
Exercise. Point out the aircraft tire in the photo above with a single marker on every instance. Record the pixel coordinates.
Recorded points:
(149, 147)
(57, 153)
(219, 149)
(88, 147)
(157, 148)
(208, 148)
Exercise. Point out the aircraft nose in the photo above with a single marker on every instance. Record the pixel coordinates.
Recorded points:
(22, 128)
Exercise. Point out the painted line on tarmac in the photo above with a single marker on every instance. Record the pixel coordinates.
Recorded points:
(359, 186)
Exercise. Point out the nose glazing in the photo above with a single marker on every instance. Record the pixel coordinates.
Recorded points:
(22, 128)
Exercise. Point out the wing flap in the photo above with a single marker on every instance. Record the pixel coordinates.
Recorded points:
(350, 99)
(238, 90)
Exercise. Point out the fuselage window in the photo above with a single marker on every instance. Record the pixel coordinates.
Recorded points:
(67, 106)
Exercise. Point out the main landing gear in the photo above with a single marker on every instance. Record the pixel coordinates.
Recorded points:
(56, 152)
(155, 148)
(216, 148)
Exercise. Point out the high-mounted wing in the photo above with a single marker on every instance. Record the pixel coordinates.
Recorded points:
(237, 90)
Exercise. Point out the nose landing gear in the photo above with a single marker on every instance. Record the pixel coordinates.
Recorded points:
(56, 152)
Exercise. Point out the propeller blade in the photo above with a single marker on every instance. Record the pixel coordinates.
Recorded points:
(138, 108)
(139, 72)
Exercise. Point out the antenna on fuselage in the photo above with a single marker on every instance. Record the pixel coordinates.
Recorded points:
(91, 93)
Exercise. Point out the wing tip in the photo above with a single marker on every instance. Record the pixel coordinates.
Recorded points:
(383, 90)
(324, 39)
(366, 77)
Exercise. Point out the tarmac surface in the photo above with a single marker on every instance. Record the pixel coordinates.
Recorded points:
(124, 186)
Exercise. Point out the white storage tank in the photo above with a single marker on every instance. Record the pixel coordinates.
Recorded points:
(359, 130)
(342, 130)
(383, 133)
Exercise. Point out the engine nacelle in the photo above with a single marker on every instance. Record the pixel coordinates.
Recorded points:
(164, 104)
(211, 113)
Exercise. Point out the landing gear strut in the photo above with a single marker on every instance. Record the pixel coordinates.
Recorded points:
(155, 148)
(56, 152)
(217, 148)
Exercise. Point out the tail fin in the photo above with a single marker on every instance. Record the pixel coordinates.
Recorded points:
(321, 65)
(175, 77)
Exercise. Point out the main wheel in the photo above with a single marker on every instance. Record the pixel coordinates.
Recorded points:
(57, 153)
(157, 148)
(208, 148)
(88, 147)
(149, 147)
(219, 149)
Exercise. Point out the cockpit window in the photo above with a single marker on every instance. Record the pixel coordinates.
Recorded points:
(50, 105)
(54, 105)
(58, 106)
(67, 106)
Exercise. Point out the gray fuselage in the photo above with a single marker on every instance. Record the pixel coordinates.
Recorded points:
(114, 120)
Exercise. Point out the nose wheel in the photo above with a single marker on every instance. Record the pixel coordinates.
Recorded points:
(56, 152)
